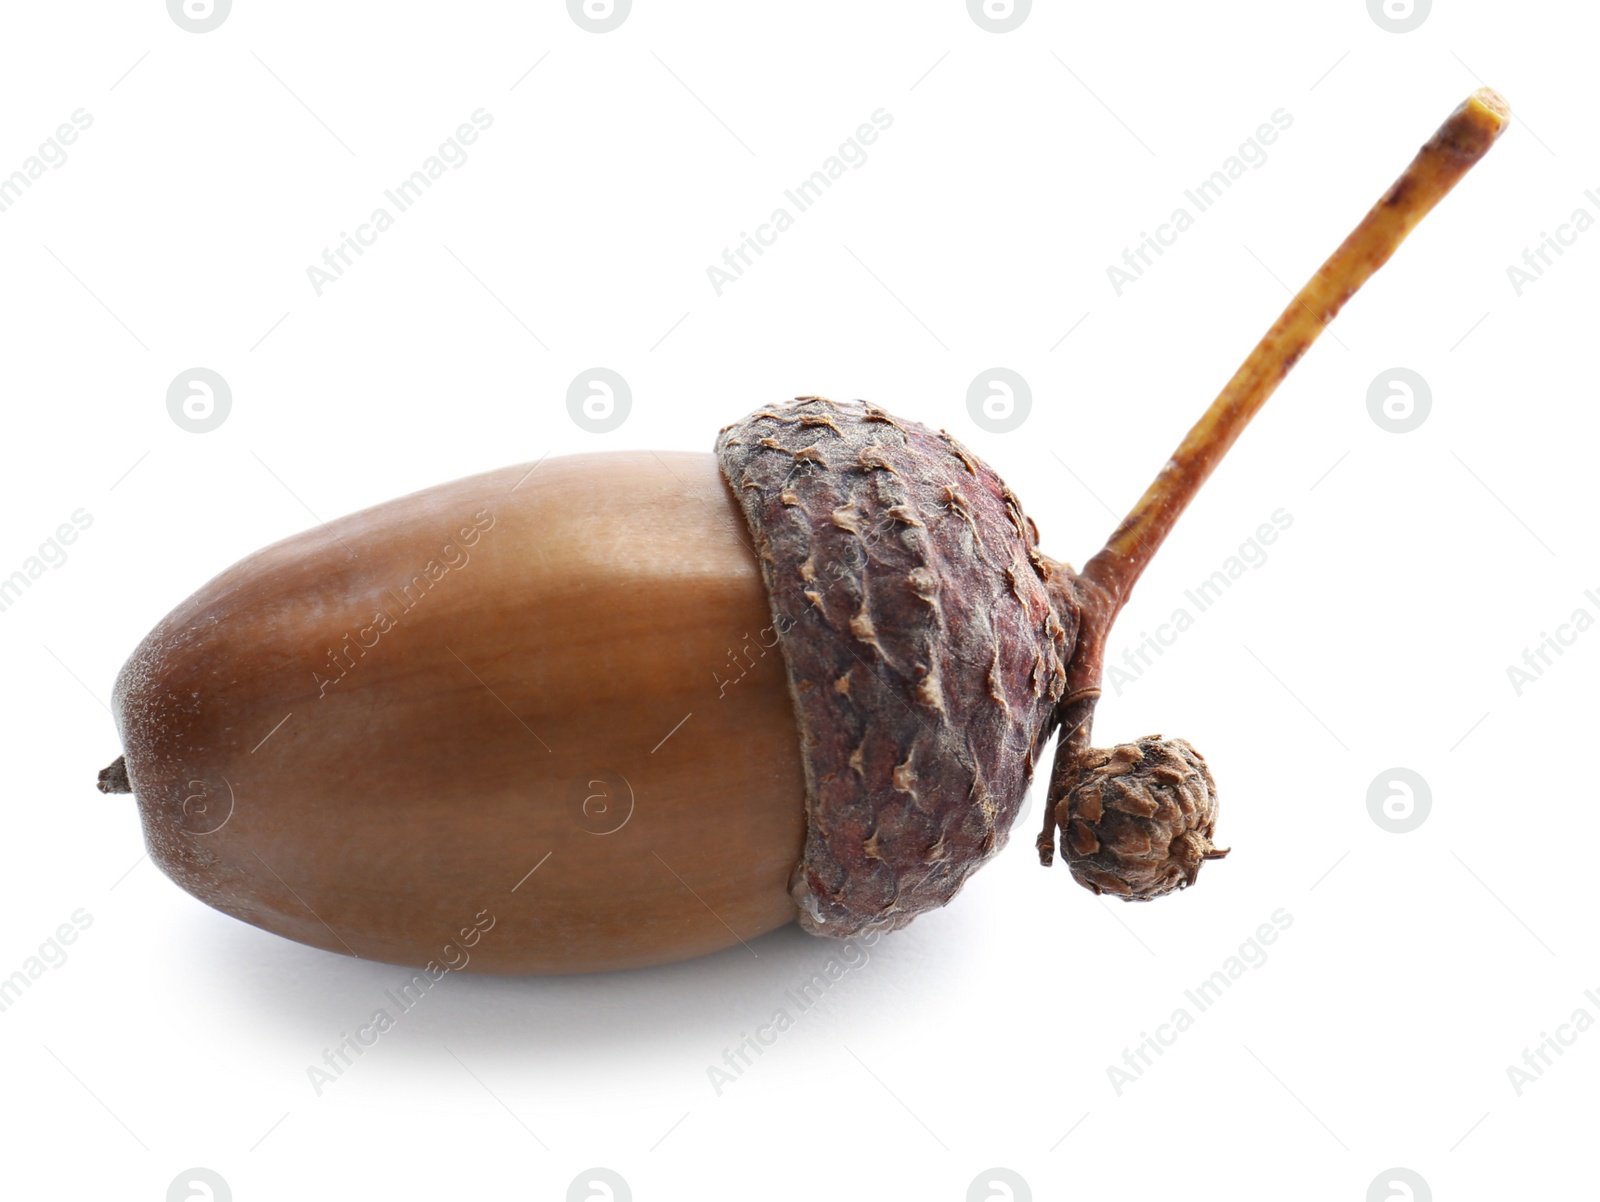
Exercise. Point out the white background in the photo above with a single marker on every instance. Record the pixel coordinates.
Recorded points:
(1377, 634)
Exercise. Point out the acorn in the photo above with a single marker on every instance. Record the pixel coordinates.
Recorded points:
(614, 710)
(1139, 819)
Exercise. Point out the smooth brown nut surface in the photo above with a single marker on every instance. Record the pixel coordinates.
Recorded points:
(368, 734)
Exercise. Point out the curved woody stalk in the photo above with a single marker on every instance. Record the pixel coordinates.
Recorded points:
(1098, 592)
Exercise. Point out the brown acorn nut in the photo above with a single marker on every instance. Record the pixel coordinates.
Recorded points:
(507, 714)
(361, 737)
(468, 700)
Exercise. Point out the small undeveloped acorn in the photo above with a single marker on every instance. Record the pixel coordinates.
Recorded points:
(1139, 819)
(615, 710)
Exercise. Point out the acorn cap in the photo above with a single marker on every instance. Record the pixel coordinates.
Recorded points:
(924, 655)
(1138, 820)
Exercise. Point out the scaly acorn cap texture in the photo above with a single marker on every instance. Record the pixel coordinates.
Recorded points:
(1138, 821)
(924, 654)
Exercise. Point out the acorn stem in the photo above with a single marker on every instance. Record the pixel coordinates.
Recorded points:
(1447, 156)
(1103, 586)
(114, 777)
